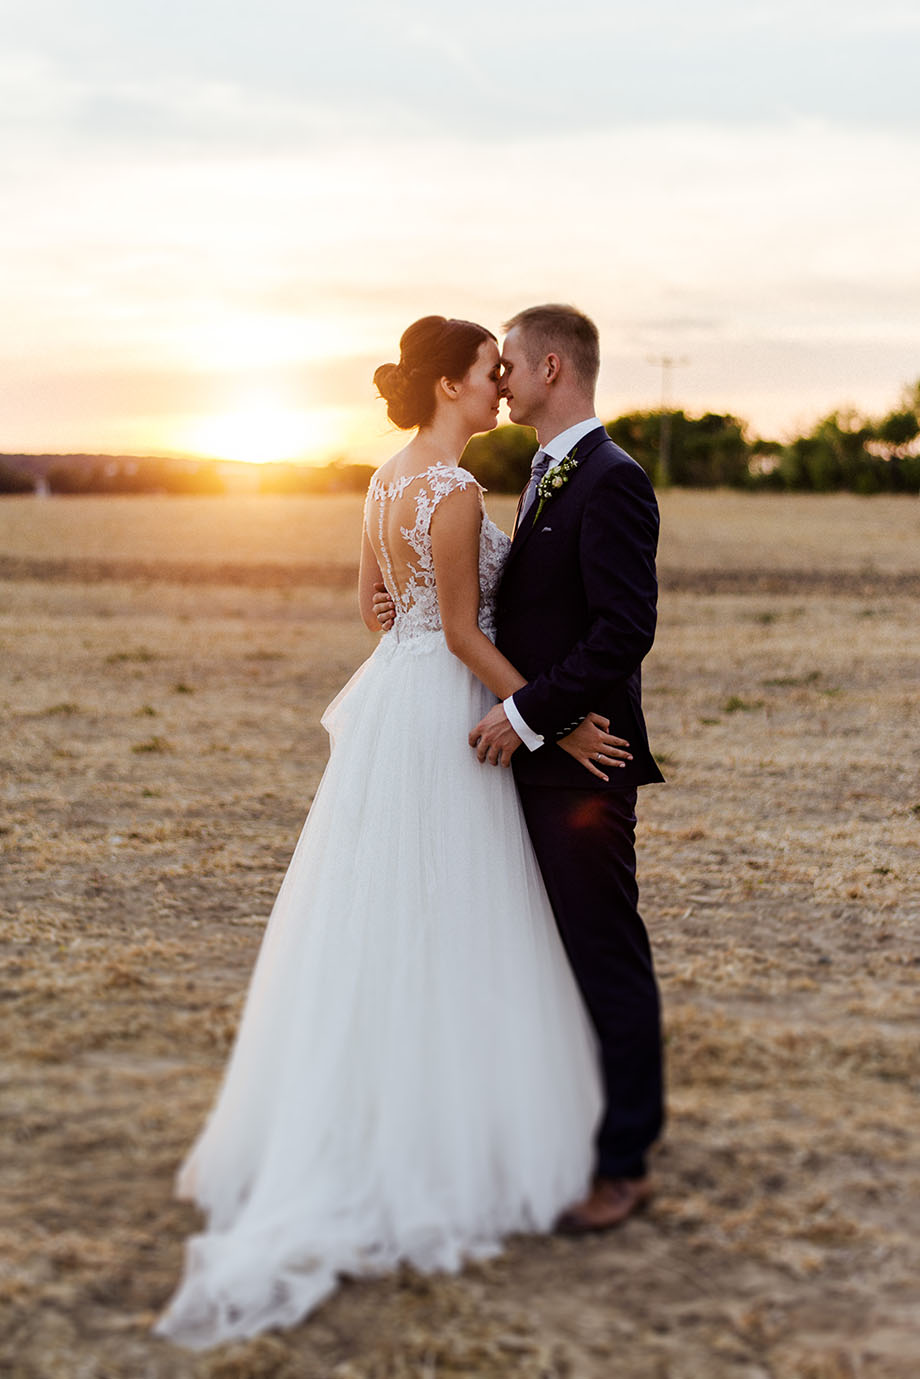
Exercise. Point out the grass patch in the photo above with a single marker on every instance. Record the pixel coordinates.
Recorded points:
(152, 744)
(65, 709)
(145, 711)
(793, 681)
(735, 704)
(183, 688)
(139, 656)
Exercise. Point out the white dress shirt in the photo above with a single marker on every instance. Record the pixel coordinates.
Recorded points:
(557, 449)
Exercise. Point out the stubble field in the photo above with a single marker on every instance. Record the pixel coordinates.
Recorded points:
(163, 667)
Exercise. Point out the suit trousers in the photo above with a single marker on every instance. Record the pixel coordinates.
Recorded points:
(585, 845)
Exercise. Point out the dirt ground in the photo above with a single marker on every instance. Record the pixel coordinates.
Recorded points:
(163, 666)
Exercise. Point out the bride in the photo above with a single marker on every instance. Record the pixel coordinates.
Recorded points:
(413, 1077)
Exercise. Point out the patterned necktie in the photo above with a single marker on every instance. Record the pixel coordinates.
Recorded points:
(538, 468)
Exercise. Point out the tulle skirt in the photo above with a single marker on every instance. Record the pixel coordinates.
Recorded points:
(414, 1076)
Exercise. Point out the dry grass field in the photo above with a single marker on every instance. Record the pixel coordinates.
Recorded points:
(163, 666)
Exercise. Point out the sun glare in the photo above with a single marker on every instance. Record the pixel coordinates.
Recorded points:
(262, 432)
(239, 341)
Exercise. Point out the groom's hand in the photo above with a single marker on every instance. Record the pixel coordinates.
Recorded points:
(384, 607)
(494, 739)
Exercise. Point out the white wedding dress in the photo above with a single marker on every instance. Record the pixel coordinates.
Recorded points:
(414, 1076)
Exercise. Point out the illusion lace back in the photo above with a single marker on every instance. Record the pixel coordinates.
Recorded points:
(413, 1077)
(398, 520)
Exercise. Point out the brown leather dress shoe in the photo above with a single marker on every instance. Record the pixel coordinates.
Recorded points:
(609, 1203)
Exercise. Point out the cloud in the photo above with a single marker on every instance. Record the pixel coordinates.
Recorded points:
(279, 77)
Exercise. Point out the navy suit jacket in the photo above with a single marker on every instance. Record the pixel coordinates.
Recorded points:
(576, 613)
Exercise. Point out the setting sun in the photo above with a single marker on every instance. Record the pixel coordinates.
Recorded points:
(262, 431)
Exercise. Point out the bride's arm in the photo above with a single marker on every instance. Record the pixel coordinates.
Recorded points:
(368, 576)
(455, 527)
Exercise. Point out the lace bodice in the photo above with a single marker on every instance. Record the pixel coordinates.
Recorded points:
(397, 518)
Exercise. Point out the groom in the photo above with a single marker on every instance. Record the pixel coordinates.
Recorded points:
(576, 615)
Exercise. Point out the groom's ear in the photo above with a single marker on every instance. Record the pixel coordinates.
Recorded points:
(551, 367)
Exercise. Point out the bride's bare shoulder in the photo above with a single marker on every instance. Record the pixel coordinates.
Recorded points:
(390, 469)
(426, 471)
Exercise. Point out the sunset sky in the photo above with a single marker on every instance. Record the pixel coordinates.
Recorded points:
(218, 218)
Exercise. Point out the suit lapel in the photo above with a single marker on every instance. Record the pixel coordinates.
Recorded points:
(522, 530)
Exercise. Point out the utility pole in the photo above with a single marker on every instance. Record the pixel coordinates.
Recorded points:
(666, 363)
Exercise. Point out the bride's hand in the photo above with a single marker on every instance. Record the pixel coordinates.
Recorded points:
(593, 746)
(384, 607)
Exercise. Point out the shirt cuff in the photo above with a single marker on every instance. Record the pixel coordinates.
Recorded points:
(530, 739)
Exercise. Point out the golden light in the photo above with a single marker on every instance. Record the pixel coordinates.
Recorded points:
(262, 431)
(237, 340)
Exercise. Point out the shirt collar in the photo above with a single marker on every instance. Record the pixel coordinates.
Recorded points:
(560, 445)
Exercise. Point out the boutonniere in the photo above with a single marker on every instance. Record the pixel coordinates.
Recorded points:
(554, 479)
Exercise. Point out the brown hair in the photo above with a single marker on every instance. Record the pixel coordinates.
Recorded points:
(432, 348)
(560, 330)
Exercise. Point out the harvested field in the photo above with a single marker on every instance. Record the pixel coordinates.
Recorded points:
(163, 666)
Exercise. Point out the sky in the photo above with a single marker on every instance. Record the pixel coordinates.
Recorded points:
(217, 218)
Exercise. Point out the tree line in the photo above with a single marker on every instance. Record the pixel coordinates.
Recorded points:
(845, 451)
(155, 474)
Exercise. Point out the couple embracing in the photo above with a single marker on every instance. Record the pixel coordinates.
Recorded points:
(452, 1030)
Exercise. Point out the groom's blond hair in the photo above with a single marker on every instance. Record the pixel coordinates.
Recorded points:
(562, 330)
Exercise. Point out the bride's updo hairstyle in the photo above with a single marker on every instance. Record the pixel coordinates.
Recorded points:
(431, 348)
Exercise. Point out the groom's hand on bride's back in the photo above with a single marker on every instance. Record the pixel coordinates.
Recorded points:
(384, 607)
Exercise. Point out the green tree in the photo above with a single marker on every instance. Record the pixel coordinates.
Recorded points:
(500, 459)
(710, 451)
(639, 434)
(896, 442)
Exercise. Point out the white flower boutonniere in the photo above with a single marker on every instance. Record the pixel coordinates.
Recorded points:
(554, 479)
